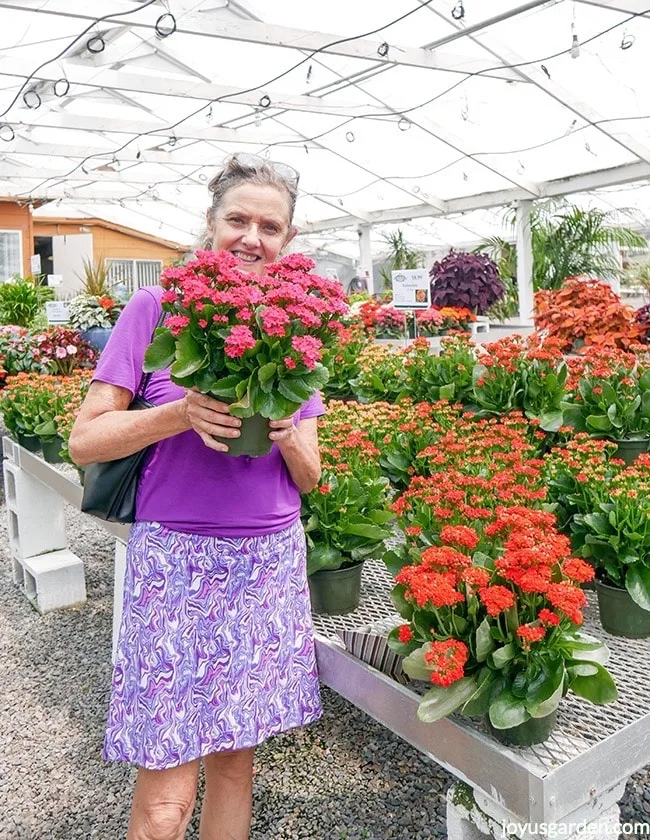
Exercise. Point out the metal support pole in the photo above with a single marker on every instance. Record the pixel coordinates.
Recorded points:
(525, 263)
(365, 257)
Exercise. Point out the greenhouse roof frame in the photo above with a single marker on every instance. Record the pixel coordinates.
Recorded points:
(144, 119)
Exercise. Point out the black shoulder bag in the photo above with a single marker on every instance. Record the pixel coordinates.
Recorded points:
(110, 487)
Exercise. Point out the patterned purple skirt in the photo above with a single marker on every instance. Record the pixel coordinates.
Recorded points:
(216, 648)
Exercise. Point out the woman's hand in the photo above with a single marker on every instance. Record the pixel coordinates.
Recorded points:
(209, 417)
(282, 431)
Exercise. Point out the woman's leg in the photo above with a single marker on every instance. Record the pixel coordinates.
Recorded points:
(163, 802)
(228, 802)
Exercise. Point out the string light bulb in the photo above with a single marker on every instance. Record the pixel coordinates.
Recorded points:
(575, 43)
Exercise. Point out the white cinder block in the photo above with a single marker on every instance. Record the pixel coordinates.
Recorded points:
(35, 514)
(54, 580)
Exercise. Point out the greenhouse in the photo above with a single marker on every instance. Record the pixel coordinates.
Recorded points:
(372, 559)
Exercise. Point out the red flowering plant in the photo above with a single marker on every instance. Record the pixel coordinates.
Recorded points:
(342, 359)
(414, 372)
(256, 341)
(608, 511)
(20, 352)
(577, 475)
(525, 374)
(492, 615)
(390, 322)
(64, 350)
(429, 321)
(399, 431)
(346, 518)
(612, 396)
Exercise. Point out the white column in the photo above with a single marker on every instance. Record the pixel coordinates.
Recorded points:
(525, 263)
(365, 257)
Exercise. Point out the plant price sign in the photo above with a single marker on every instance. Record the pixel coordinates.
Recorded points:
(411, 288)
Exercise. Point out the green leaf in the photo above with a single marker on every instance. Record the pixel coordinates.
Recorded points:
(581, 669)
(317, 377)
(551, 421)
(46, 429)
(267, 371)
(599, 688)
(295, 390)
(637, 583)
(504, 655)
(479, 703)
(225, 387)
(506, 710)
(598, 423)
(414, 665)
(160, 353)
(439, 702)
(370, 531)
(484, 641)
(190, 356)
(401, 604)
(323, 557)
(546, 707)
(586, 648)
(447, 392)
(395, 560)
(545, 683)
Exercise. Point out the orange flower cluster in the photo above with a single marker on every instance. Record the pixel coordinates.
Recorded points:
(448, 659)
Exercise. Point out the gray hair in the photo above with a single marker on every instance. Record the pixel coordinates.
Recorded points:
(248, 169)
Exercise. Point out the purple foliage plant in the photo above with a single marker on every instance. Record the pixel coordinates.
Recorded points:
(469, 280)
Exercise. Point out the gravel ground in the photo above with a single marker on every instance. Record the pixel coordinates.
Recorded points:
(345, 777)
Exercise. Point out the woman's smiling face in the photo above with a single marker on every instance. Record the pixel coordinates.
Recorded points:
(252, 222)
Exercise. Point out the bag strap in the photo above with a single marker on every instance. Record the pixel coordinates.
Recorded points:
(146, 377)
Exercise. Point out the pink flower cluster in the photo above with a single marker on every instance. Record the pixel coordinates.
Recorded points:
(288, 306)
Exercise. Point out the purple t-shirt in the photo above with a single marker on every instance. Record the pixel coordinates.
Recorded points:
(184, 484)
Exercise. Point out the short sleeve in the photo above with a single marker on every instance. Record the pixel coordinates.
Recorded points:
(313, 407)
(121, 360)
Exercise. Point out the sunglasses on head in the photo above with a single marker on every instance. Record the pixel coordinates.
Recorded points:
(255, 162)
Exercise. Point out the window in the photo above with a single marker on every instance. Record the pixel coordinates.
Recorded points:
(134, 273)
(11, 254)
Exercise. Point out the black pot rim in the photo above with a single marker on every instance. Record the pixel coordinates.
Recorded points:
(610, 586)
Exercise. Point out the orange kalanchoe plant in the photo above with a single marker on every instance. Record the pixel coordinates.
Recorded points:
(587, 311)
(488, 587)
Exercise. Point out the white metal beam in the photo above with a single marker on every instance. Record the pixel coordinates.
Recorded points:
(155, 130)
(525, 263)
(563, 186)
(122, 80)
(270, 35)
(531, 73)
(630, 7)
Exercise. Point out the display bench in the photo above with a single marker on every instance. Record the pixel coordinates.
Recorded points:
(567, 786)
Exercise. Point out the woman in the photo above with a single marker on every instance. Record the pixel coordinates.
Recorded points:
(216, 644)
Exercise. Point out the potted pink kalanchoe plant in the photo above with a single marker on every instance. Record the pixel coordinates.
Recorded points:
(253, 341)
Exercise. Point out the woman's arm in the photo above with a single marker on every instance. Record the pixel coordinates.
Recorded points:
(105, 430)
(299, 448)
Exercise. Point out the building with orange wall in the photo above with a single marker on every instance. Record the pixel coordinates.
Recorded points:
(63, 244)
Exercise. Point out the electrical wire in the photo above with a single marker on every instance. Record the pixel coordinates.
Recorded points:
(69, 46)
(227, 96)
(324, 48)
(473, 74)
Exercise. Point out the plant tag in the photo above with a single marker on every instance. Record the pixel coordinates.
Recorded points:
(411, 288)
